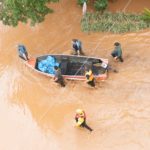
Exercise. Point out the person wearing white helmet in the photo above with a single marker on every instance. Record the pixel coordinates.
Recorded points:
(80, 119)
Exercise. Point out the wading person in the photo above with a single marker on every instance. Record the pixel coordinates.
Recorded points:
(90, 77)
(23, 52)
(58, 78)
(76, 46)
(117, 52)
(80, 119)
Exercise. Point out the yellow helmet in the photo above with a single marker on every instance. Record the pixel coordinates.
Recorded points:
(79, 111)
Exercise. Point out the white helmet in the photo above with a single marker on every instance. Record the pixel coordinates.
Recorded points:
(79, 111)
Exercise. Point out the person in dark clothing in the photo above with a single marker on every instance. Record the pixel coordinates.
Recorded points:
(117, 52)
(23, 52)
(77, 46)
(58, 78)
(80, 119)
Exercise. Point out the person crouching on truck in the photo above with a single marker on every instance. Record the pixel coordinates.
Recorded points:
(23, 52)
(58, 78)
(80, 119)
(90, 78)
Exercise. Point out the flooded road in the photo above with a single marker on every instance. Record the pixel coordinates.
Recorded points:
(36, 114)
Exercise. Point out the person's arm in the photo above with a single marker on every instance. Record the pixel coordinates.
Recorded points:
(55, 78)
(116, 57)
(115, 52)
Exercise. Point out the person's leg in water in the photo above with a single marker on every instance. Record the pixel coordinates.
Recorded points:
(78, 52)
(114, 54)
(75, 52)
(91, 83)
(26, 53)
(120, 59)
(84, 125)
(61, 82)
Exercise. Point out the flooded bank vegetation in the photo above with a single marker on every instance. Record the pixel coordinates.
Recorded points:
(119, 22)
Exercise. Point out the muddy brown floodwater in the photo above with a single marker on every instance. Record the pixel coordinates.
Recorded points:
(36, 114)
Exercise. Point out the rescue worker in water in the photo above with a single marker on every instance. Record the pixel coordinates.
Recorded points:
(80, 119)
(90, 77)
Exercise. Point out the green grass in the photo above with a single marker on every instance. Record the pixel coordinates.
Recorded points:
(113, 22)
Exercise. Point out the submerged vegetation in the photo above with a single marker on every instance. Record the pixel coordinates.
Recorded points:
(100, 5)
(146, 15)
(114, 22)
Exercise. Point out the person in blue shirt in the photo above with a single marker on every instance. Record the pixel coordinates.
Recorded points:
(77, 47)
(23, 52)
(117, 52)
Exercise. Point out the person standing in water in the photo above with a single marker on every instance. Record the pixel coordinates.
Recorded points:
(117, 52)
(89, 77)
(77, 46)
(58, 78)
(80, 119)
(23, 52)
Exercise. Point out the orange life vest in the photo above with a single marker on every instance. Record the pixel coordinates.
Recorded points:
(91, 76)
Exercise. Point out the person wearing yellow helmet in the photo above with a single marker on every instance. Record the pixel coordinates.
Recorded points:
(80, 119)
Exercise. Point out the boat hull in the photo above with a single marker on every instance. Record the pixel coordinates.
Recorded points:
(32, 62)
